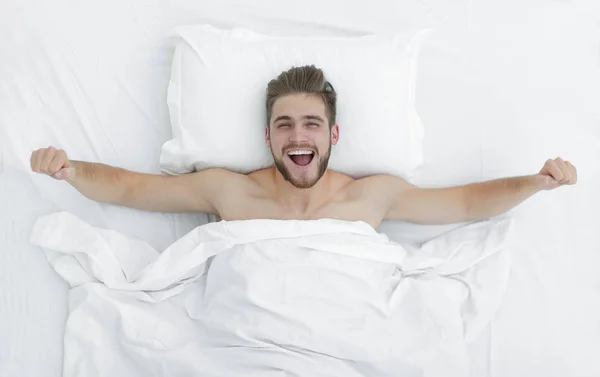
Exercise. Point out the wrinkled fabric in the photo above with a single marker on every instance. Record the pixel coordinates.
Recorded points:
(274, 298)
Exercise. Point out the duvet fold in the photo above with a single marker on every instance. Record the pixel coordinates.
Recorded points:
(275, 298)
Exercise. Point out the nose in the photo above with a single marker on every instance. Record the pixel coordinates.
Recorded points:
(298, 135)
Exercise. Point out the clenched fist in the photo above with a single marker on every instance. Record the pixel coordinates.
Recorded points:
(52, 162)
(557, 173)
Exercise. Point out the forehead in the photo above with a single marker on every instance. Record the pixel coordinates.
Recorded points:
(299, 105)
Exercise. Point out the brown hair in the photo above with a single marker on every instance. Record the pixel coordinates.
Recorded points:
(307, 79)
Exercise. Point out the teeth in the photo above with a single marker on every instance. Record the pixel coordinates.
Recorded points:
(299, 152)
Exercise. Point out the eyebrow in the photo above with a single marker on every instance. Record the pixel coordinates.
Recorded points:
(314, 117)
(282, 117)
(310, 117)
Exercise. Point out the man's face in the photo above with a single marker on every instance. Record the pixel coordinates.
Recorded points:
(300, 140)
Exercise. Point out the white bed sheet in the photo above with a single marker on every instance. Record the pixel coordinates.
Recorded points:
(502, 87)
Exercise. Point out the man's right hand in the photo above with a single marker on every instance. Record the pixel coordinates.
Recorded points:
(204, 191)
(52, 162)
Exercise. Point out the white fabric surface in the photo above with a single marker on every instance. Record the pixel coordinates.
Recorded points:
(502, 87)
(374, 77)
(272, 297)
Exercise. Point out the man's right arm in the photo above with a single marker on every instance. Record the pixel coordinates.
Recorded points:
(193, 192)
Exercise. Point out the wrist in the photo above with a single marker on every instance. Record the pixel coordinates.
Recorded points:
(540, 182)
(71, 171)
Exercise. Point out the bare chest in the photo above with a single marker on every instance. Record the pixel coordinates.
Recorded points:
(267, 209)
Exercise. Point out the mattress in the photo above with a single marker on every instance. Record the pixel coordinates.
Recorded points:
(502, 87)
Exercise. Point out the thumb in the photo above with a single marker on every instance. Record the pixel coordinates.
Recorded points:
(64, 173)
(547, 182)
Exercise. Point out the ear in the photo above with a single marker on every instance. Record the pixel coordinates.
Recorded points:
(267, 136)
(335, 134)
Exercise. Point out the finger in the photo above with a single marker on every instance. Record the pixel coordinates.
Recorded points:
(64, 173)
(554, 171)
(568, 176)
(48, 156)
(60, 174)
(69, 173)
(57, 162)
(564, 169)
(562, 166)
(544, 170)
(39, 155)
(569, 172)
(32, 159)
(547, 181)
(573, 172)
(560, 163)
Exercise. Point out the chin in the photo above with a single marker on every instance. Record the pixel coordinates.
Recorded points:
(303, 183)
(301, 177)
(301, 180)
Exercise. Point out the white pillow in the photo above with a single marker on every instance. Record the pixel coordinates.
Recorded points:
(217, 99)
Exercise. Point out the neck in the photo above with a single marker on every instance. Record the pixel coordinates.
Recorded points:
(301, 201)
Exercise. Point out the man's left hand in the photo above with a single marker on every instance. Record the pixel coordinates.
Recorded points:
(556, 173)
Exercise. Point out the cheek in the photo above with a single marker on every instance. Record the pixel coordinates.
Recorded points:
(276, 146)
(325, 142)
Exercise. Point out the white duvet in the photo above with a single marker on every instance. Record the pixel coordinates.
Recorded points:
(274, 298)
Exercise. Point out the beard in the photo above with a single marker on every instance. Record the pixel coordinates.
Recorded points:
(303, 182)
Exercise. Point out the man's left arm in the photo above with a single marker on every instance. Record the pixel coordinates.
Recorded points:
(475, 201)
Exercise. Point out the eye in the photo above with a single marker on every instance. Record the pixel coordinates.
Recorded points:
(313, 125)
(282, 125)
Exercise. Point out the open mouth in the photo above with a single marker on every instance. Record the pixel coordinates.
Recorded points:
(301, 157)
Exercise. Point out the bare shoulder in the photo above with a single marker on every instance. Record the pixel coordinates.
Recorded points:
(341, 181)
(244, 185)
(261, 181)
(260, 176)
(216, 187)
(246, 196)
(220, 179)
(378, 186)
(257, 184)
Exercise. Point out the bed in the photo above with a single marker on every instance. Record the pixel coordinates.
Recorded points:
(502, 87)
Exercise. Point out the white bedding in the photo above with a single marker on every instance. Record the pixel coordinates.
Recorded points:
(272, 298)
(502, 86)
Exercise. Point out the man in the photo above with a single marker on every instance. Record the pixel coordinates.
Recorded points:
(301, 109)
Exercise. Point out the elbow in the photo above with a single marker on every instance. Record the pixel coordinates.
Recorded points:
(469, 208)
(129, 189)
(122, 188)
(474, 211)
